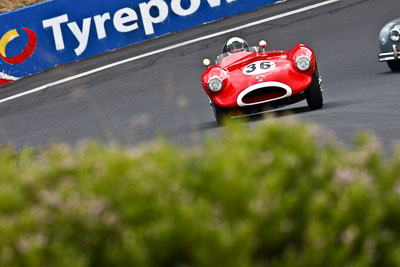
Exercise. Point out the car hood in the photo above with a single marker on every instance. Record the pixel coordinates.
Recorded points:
(244, 61)
(277, 68)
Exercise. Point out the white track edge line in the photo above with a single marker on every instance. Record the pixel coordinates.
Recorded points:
(108, 66)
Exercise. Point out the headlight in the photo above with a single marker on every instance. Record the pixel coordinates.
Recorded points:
(215, 84)
(395, 35)
(303, 63)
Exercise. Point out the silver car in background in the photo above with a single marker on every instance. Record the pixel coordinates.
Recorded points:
(389, 43)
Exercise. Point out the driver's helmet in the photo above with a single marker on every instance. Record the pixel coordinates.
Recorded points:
(235, 44)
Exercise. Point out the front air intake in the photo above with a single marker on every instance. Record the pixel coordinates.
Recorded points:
(263, 94)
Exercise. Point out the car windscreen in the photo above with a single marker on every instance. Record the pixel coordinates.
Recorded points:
(249, 50)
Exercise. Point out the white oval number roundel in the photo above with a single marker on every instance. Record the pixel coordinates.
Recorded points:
(258, 67)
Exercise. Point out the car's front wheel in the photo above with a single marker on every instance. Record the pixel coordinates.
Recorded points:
(221, 114)
(394, 65)
(314, 92)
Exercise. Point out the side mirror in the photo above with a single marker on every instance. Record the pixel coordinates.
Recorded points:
(206, 62)
(263, 46)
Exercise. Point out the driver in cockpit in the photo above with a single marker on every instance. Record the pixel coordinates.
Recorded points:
(235, 44)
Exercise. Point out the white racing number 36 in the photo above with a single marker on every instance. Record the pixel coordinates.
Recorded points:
(258, 67)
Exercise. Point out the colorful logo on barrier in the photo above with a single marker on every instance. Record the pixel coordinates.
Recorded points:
(25, 54)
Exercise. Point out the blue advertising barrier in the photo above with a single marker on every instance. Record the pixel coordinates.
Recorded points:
(56, 32)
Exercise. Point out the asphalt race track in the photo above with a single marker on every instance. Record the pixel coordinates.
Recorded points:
(161, 94)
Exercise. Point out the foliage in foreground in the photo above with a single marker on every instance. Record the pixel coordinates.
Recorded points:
(282, 194)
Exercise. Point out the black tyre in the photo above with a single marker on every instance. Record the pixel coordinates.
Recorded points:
(314, 93)
(394, 65)
(221, 114)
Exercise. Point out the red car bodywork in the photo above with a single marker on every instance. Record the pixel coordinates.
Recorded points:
(275, 77)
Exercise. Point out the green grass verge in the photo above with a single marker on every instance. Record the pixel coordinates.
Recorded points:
(281, 194)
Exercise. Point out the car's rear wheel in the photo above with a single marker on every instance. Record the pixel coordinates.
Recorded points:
(314, 92)
(394, 65)
(221, 114)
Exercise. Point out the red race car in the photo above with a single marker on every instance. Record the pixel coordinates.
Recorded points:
(250, 80)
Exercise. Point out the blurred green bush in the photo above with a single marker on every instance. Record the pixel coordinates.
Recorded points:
(279, 194)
